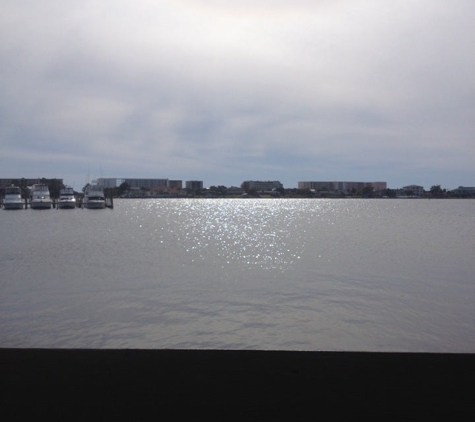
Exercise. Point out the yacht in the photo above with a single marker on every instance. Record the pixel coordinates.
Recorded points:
(12, 200)
(40, 197)
(67, 200)
(94, 197)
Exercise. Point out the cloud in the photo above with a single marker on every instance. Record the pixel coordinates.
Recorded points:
(227, 91)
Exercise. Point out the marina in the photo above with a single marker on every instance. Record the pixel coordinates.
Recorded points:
(41, 199)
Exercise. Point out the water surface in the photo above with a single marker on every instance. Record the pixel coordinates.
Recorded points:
(280, 274)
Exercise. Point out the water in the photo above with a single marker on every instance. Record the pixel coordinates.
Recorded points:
(267, 274)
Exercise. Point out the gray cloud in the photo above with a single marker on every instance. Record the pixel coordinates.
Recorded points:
(228, 91)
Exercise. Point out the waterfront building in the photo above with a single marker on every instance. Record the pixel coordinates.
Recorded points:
(415, 189)
(235, 190)
(110, 182)
(464, 191)
(175, 184)
(194, 185)
(114, 182)
(343, 187)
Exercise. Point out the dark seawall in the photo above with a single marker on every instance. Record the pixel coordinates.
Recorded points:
(246, 383)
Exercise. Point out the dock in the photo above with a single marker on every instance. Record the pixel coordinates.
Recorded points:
(109, 201)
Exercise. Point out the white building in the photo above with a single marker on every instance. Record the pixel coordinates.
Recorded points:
(415, 189)
(345, 187)
(464, 191)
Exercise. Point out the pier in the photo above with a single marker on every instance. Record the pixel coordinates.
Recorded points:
(110, 202)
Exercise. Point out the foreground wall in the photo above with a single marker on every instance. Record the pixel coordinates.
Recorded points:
(266, 383)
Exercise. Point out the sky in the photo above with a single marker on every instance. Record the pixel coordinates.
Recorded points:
(228, 91)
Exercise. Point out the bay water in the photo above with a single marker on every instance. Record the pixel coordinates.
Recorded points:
(393, 275)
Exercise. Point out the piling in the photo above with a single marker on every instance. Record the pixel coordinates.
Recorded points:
(110, 202)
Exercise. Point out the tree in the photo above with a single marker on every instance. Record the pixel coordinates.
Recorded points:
(245, 186)
(221, 190)
(55, 186)
(124, 187)
(436, 190)
(25, 191)
(368, 191)
(253, 192)
(306, 193)
(390, 193)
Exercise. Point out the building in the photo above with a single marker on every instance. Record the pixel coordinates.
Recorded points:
(414, 190)
(175, 184)
(379, 187)
(113, 182)
(464, 191)
(110, 182)
(235, 191)
(194, 185)
(317, 186)
(343, 187)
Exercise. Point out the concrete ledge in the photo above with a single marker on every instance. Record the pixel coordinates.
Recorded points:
(230, 381)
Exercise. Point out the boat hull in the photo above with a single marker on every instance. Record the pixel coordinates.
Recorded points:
(66, 205)
(40, 205)
(12, 205)
(95, 205)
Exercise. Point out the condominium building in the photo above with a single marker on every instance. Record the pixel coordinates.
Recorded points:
(194, 185)
(175, 184)
(114, 182)
(345, 187)
(110, 182)
(464, 191)
(415, 190)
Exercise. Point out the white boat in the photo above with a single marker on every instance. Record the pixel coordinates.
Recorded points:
(40, 197)
(67, 200)
(12, 200)
(94, 197)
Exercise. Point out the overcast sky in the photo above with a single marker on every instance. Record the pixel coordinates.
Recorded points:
(225, 91)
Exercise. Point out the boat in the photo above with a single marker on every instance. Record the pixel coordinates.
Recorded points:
(40, 197)
(67, 200)
(12, 200)
(94, 197)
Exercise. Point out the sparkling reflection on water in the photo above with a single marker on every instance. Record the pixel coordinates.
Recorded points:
(374, 275)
